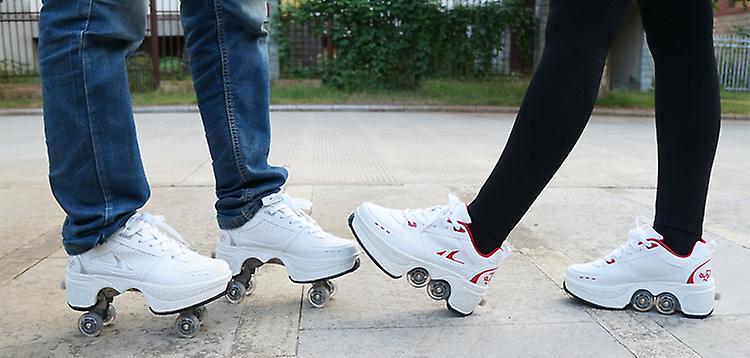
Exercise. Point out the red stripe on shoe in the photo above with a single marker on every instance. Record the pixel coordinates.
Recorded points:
(692, 275)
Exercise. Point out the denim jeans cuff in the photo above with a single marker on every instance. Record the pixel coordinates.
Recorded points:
(246, 213)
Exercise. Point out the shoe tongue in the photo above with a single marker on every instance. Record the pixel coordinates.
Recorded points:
(461, 213)
(645, 233)
(134, 219)
(272, 199)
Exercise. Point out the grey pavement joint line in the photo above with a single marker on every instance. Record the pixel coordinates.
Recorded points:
(587, 310)
(596, 317)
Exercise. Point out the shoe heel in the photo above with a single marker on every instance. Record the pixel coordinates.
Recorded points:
(698, 303)
(82, 290)
(463, 300)
(233, 256)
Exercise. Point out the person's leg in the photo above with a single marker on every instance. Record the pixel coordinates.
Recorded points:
(97, 176)
(95, 167)
(455, 250)
(688, 114)
(666, 265)
(229, 64)
(554, 112)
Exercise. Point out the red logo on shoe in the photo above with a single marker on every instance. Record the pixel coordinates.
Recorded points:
(450, 255)
(610, 261)
(703, 275)
(411, 223)
(486, 276)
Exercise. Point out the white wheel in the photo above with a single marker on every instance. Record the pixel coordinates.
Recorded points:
(642, 301)
(110, 315)
(90, 324)
(666, 303)
(187, 324)
(418, 277)
(236, 292)
(438, 289)
(318, 296)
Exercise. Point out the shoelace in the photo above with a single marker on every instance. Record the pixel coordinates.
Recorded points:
(296, 210)
(445, 213)
(154, 230)
(634, 243)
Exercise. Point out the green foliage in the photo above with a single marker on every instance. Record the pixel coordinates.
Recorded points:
(396, 43)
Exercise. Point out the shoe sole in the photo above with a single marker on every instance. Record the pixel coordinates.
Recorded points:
(80, 282)
(629, 305)
(395, 277)
(237, 256)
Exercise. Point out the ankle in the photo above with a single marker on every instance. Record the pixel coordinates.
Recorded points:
(679, 241)
(484, 241)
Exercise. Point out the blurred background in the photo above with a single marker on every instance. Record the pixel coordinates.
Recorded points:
(432, 52)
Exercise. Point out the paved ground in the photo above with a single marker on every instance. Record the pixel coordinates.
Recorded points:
(405, 160)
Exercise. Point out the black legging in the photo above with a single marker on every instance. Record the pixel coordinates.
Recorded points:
(561, 96)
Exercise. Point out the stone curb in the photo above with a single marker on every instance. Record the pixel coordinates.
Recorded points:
(374, 108)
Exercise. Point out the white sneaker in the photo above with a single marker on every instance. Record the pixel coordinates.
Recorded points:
(148, 256)
(281, 232)
(432, 246)
(645, 273)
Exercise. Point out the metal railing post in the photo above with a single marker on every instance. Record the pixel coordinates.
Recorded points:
(155, 75)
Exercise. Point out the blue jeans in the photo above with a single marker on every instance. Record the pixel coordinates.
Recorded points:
(96, 172)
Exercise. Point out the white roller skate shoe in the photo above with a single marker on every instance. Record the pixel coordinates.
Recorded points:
(645, 273)
(281, 232)
(432, 246)
(150, 257)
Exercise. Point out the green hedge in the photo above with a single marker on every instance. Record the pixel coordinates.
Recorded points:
(395, 44)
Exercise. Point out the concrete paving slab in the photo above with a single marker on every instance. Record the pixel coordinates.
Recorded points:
(39, 323)
(517, 340)
(398, 159)
(716, 336)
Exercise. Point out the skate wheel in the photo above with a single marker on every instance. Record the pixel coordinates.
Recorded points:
(331, 285)
(187, 324)
(318, 296)
(90, 324)
(418, 277)
(642, 301)
(438, 289)
(235, 292)
(251, 285)
(200, 312)
(109, 316)
(667, 303)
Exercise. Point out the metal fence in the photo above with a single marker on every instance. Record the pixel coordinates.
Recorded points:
(162, 55)
(19, 34)
(733, 61)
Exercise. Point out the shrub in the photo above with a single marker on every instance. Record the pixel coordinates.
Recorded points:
(394, 44)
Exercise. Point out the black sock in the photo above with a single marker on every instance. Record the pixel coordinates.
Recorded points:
(484, 240)
(679, 241)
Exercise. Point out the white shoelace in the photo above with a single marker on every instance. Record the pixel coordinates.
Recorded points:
(157, 233)
(444, 213)
(295, 210)
(634, 243)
